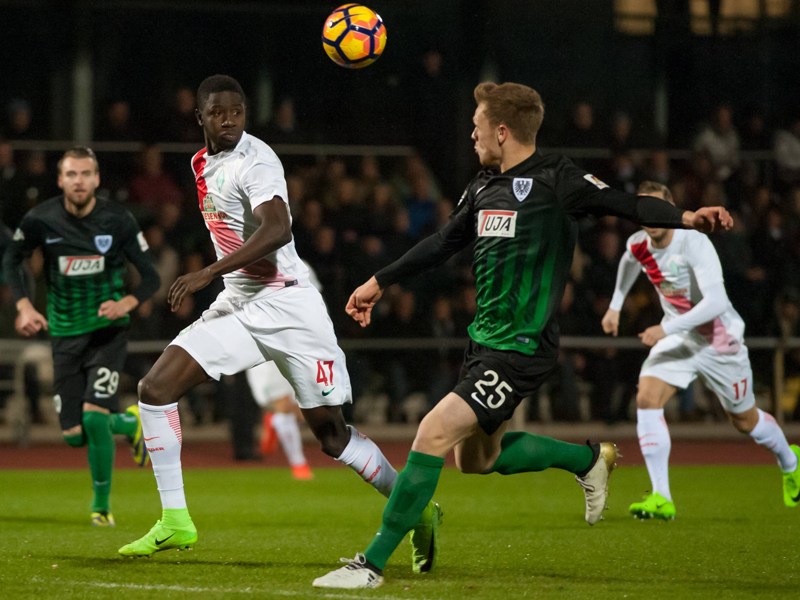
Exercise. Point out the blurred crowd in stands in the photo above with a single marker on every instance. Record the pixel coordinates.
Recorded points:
(355, 215)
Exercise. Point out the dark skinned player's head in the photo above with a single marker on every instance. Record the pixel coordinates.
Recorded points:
(217, 83)
(221, 112)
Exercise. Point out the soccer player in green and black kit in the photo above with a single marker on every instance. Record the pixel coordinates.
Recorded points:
(85, 241)
(521, 213)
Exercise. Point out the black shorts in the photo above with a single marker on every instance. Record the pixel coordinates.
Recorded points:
(494, 382)
(86, 368)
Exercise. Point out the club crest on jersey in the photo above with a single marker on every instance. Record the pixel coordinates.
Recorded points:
(210, 212)
(103, 242)
(522, 186)
(74, 266)
(497, 223)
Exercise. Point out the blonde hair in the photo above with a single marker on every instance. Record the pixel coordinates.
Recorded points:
(647, 188)
(517, 106)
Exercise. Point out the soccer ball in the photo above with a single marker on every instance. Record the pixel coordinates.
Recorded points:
(353, 36)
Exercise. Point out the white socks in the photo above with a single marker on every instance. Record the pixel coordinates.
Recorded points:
(288, 432)
(656, 444)
(767, 433)
(161, 427)
(365, 458)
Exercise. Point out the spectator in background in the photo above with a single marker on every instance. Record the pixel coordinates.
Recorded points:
(283, 127)
(787, 153)
(721, 140)
(152, 190)
(20, 121)
(406, 370)
(36, 182)
(181, 125)
(658, 167)
(12, 206)
(117, 126)
(582, 132)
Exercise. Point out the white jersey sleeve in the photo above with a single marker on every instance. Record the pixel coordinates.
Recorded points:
(688, 277)
(627, 272)
(703, 260)
(261, 178)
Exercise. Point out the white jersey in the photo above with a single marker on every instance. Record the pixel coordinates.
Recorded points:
(688, 277)
(230, 185)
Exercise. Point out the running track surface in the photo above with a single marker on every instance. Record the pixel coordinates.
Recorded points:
(220, 455)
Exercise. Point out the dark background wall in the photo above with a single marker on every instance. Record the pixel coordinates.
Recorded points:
(142, 50)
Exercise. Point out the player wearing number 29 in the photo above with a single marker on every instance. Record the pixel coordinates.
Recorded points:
(701, 335)
(85, 241)
(268, 311)
(521, 213)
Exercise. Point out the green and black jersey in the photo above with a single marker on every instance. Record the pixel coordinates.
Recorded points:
(84, 261)
(524, 226)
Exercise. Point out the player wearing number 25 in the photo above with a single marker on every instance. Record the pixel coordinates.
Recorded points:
(520, 214)
(85, 241)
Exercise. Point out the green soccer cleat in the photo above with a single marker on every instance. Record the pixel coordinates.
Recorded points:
(791, 482)
(138, 448)
(654, 506)
(102, 518)
(425, 539)
(161, 538)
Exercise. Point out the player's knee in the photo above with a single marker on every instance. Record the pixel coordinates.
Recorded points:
(745, 422)
(333, 445)
(151, 392)
(74, 437)
(647, 400)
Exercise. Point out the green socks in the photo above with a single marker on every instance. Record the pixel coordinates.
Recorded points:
(97, 428)
(124, 423)
(522, 452)
(412, 491)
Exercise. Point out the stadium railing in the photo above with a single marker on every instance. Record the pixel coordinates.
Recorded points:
(15, 355)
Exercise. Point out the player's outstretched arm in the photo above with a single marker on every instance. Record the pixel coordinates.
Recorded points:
(708, 219)
(362, 300)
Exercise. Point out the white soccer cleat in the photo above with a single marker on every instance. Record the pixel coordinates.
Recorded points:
(356, 575)
(595, 482)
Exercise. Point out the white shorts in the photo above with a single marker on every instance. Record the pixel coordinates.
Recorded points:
(677, 361)
(267, 384)
(288, 325)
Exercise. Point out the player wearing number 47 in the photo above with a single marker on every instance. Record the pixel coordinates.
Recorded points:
(702, 336)
(268, 311)
(521, 214)
(85, 241)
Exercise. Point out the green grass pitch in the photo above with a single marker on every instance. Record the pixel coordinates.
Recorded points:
(263, 535)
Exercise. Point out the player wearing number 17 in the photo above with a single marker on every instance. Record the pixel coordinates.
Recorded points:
(85, 241)
(521, 214)
(268, 311)
(701, 335)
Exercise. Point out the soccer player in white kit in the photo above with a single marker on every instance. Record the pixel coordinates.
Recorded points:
(701, 335)
(267, 311)
(273, 392)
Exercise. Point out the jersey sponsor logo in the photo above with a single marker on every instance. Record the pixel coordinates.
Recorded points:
(103, 243)
(74, 266)
(142, 242)
(595, 181)
(522, 186)
(18, 235)
(210, 212)
(497, 223)
(52, 240)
